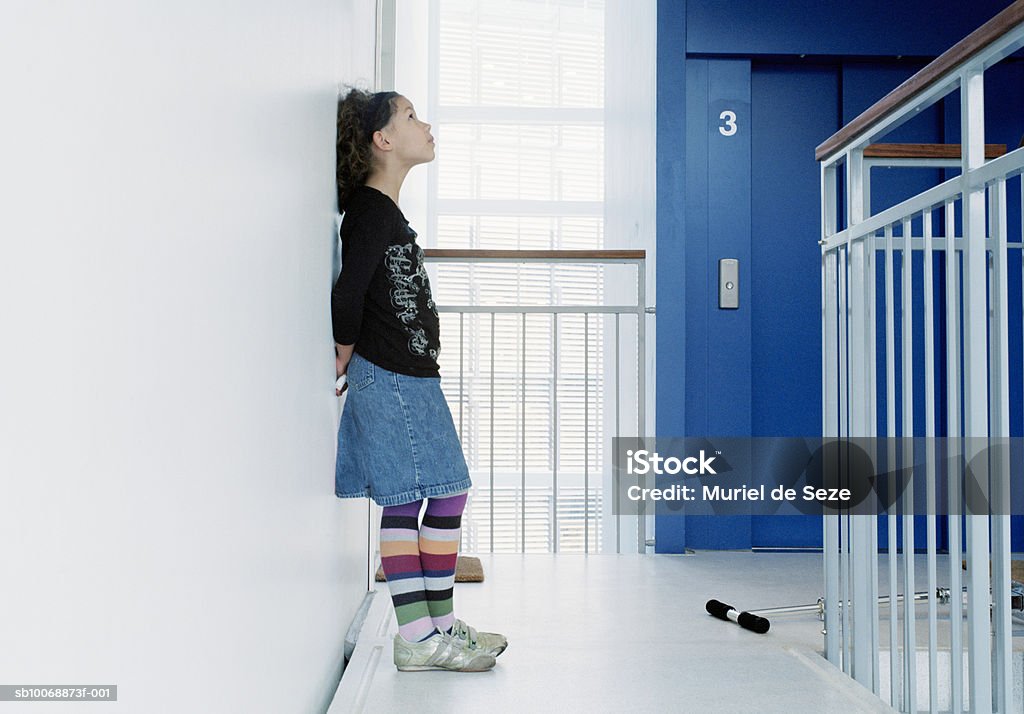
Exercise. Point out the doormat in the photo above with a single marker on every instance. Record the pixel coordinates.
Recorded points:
(1016, 569)
(468, 569)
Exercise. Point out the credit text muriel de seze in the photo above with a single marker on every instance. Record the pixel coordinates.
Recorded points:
(642, 462)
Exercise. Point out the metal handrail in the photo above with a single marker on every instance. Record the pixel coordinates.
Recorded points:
(490, 255)
(636, 258)
(975, 264)
(1006, 166)
(996, 39)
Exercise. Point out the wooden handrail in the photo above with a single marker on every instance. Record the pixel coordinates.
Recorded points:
(513, 254)
(926, 151)
(973, 43)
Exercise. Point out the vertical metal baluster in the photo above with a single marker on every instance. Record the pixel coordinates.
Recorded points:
(641, 386)
(522, 444)
(972, 115)
(954, 451)
(1000, 421)
(844, 416)
(586, 432)
(554, 422)
(890, 433)
(872, 388)
(863, 591)
(930, 458)
(618, 434)
(832, 523)
(907, 362)
(844, 589)
(462, 396)
(830, 395)
(492, 431)
(992, 407)
(846, 552)
(871, 421)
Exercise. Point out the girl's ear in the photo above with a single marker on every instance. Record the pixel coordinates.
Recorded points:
(381, 141)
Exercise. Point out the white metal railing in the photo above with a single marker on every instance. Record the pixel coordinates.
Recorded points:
(974, 374)
(507, 500)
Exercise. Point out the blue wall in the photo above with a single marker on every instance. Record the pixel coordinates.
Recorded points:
(754, 196)
(832, 27)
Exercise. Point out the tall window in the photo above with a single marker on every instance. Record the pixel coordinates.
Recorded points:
(515, 92)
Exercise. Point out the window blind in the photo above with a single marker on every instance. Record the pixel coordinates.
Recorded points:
(518, 112)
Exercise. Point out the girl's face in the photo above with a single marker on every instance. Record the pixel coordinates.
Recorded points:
(408, 137)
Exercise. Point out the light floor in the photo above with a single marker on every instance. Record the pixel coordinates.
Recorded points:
(621, 633)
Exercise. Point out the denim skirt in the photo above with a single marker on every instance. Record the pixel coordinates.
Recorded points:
(396, 441)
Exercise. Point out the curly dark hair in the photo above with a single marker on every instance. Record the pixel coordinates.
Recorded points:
(360, 114)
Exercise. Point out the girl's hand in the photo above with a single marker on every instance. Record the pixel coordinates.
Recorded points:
(342, 356)
(341, 365)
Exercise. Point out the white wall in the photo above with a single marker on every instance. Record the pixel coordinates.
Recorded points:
(167, 415)
(630, 212)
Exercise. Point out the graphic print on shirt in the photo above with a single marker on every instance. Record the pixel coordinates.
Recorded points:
(406, 284)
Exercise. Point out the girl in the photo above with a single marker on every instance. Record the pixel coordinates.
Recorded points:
(397, 442)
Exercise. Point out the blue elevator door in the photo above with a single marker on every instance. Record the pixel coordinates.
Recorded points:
(794, 107)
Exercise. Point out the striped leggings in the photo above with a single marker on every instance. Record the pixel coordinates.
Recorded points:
(419, 562)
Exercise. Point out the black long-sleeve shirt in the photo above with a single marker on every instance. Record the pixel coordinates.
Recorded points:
(381, 302)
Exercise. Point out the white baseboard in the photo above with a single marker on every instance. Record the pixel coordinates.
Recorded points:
(373, 650)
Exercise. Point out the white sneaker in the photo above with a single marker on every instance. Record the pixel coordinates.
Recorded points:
(440, 651)
(491, 642)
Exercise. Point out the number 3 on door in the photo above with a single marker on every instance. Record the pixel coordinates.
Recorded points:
(730, 123)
